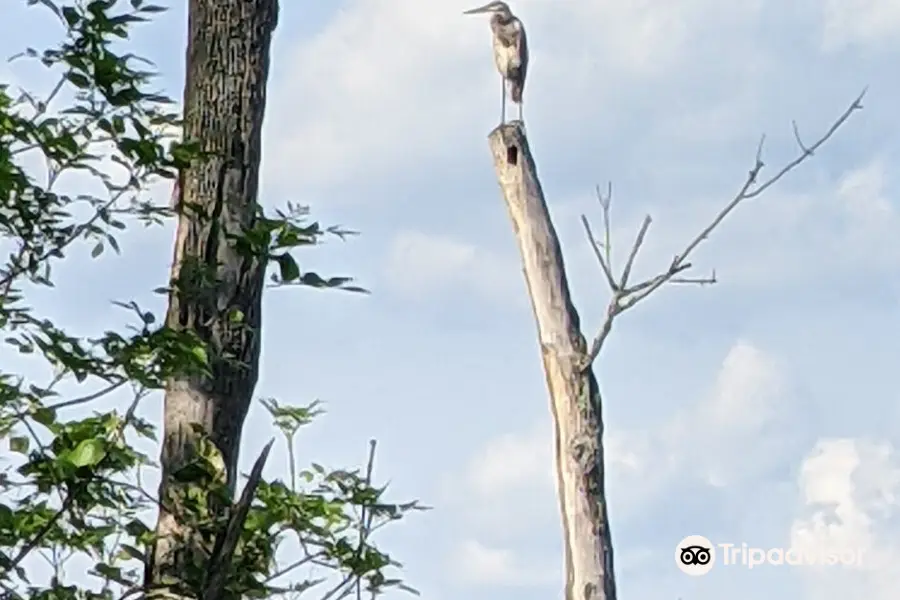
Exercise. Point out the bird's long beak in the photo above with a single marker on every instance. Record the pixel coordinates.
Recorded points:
(480, 9)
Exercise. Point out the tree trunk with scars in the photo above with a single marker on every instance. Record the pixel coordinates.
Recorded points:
(224, 104)
(574, 395)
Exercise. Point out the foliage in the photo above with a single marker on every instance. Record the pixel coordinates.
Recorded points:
(71, 487)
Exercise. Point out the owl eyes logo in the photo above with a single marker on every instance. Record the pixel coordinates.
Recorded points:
(695, 555)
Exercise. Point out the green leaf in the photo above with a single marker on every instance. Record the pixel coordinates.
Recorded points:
(135, 528)
(19, 444)
(111, 573)
(189, 473)
(71, 15)
(98, 250)
(87, 453)
(78, 80)
(44, 416)
(288, 266)
(200, 353)
(313, 280)
(128, 551)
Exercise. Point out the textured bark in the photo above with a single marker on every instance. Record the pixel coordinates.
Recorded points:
(224, 104)
(574, 394)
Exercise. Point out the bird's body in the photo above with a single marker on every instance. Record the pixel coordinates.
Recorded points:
(510, 51)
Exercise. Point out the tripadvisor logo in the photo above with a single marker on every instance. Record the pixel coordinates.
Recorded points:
(696, 555)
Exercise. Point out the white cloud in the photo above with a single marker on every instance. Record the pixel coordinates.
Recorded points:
(512, 463)
(853, 224)
(746, 400)
(709, 439)
(651, 36)
(506, 487)
(420, 264)
(746, 388)
(378, 83)
(849, 490)
(863, 22)
(480, 564)
(861, 193)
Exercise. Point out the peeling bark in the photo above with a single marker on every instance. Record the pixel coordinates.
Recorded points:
(224, 104)
(574, 395)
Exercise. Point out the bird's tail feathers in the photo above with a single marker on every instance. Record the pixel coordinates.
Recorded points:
(516, 86)
(515, 92)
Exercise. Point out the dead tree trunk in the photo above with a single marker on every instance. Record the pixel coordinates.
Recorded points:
(216, 288)
(574, 395)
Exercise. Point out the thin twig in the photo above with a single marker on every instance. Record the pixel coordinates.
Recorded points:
(799, 139)
(696, 280)
(654, 284)
(292, 566)
(89, 397)
(638, 242)
(604, 265)
(605, 204)
(365, 516)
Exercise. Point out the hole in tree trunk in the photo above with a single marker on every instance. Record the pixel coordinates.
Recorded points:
(512, 155)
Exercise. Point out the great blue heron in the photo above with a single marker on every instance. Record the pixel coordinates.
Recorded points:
(510, 51)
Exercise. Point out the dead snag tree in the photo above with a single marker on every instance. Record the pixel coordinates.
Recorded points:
(568, 360)
(216, 284)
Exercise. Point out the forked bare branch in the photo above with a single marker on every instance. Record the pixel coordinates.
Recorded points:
(625, 296)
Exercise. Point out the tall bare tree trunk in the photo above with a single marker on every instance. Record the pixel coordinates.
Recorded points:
(574, 394)
(220, 287)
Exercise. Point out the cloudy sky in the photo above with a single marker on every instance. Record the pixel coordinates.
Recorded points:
(761, 410)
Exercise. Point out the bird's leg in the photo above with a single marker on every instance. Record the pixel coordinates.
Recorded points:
(502, 100)
(520, 112)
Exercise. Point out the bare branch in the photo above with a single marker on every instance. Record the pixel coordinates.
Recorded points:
(799, 140)
(605, 203)
(611, 311)
(366, 515)
(90, 397)
(746, 194)
(604, 265)
(624, 297)
(220, 561)
(644, 289)
(638, 242)
(696, 280)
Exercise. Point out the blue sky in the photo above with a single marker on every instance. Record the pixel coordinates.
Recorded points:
(761, 410)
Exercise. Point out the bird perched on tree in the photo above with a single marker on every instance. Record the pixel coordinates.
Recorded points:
(510, 51)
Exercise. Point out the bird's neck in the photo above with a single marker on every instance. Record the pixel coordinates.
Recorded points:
(503, 19)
